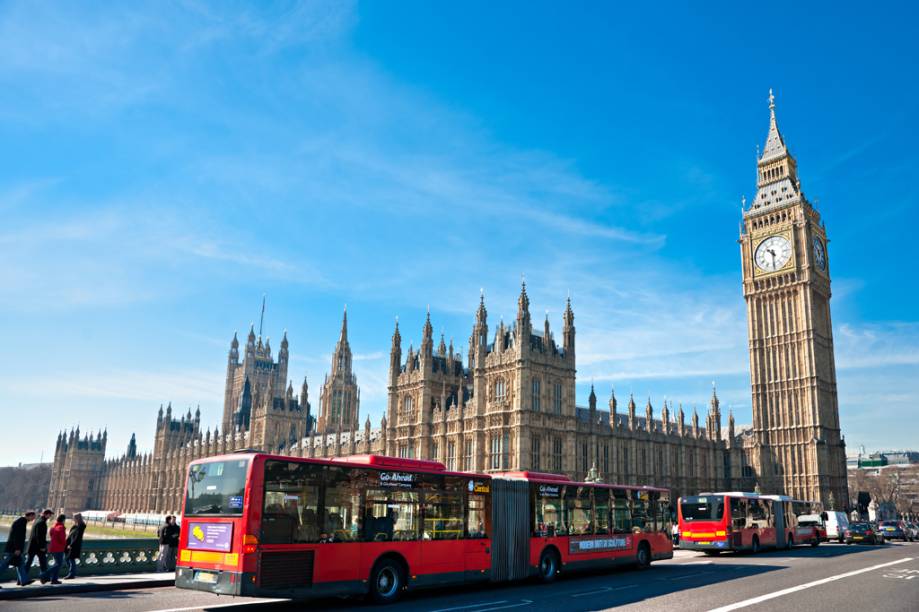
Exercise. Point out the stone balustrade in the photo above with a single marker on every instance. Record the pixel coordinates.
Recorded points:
(99, 557)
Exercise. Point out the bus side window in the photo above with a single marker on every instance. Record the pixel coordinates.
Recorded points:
(640, 511)
(738, 512)
(341, 506)
(622, 516)
(290, 510)
(478, 516)
(601, 511)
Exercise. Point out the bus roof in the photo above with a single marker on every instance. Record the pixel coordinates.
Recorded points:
(381, 462)
(545, 477)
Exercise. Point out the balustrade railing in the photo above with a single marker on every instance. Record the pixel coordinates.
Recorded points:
(100, 557)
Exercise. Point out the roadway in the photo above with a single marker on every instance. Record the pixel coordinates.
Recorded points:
(829, 577)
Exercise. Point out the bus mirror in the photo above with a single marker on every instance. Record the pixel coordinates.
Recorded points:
(823, 515)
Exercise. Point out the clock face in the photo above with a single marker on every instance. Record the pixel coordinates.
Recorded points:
(819, 254)
(772, 253)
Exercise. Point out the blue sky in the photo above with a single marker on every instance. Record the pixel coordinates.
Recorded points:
(163, 167)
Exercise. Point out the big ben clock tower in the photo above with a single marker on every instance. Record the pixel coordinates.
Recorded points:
(796, 447)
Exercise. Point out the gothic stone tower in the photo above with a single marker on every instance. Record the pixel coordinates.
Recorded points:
(341, 397)
(796, 447)
(257, 376)
(76, 471)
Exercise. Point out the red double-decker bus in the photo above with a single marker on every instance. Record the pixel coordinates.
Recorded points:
(264, 525)
(716, 522)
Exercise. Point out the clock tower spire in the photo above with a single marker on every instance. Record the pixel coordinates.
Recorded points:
(796, 447)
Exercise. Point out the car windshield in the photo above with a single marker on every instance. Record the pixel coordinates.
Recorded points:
(808, 523)
(216, 487)
(702, 508)
(858, 527)
(888, 524)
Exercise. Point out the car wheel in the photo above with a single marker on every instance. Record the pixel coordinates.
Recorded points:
(387, 581)
(548, 566)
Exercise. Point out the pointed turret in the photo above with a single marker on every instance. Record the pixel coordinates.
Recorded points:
(613, 415)
(713, 422)
(649, 416)
(442, 347)
(132, 447)
(592, 405)
(777, 173)
(427, 337)
(665, 417)
(523, 318)
(395, 355)
(681, 421)
(631, 412)
(568, 328)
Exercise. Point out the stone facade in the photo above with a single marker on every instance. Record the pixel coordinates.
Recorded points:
(511, 404)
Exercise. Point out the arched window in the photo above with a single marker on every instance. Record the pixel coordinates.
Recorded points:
(407, 404)
(535, 399)
(500, 390)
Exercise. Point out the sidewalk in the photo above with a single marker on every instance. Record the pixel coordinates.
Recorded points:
(87, 585)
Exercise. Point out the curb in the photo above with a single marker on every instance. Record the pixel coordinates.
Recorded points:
(70, 589)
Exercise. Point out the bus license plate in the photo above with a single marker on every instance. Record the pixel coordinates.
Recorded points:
(206, 577)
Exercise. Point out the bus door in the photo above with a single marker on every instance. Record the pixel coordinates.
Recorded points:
(442, 543)
(477, 543)
(780, 515)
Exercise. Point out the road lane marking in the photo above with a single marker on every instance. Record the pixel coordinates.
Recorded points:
(523, 602)
(594, 592)
(228, 605)
(755, 600)
(471, 606)
(690, 575)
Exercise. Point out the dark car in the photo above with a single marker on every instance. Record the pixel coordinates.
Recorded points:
(894, 530)
(862, 533)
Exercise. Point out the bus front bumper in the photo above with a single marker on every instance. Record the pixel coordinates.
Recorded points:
(211, 581)
(713, 544)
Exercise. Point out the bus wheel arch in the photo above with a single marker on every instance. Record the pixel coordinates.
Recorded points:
(550, 563)
(388, 578)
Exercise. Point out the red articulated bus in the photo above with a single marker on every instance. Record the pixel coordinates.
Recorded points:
(716, 522)
(271, 526)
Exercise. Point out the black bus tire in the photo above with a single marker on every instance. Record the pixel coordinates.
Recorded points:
(815, 542)
(387, 579)
(643, 556)
(791, 541)
(548, 565)
(711, 553)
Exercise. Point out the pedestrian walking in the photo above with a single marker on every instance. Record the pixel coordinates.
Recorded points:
(174, 531)
(57, 547)
(74, 545)
(38, 547)
(16, 544)
(165, 538)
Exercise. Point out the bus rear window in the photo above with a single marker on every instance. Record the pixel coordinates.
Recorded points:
(216, 488)
(702, 509)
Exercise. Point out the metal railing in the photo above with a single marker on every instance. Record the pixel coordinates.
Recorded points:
(101, 557)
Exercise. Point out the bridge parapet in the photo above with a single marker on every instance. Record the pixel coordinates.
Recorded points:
(105, 557)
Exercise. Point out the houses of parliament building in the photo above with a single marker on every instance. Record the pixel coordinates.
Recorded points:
(509, 403)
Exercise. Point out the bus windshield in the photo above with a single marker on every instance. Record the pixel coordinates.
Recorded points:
(702, 508)
(216, 488)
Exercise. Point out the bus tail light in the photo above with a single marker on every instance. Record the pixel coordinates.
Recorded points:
(250, 542)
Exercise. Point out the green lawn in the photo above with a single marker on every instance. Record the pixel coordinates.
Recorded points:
(98, 531)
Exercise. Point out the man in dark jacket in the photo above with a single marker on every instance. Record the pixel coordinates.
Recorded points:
(75, 544)
(38, 547)
(16, 543)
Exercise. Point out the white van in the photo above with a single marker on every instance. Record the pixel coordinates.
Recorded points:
(836, 524)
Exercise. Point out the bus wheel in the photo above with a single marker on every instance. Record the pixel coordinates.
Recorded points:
(711, 553)
(548, 565)
(644, 555)
(791, 541)
(815, 542)
(755, 548)
(386, 581)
